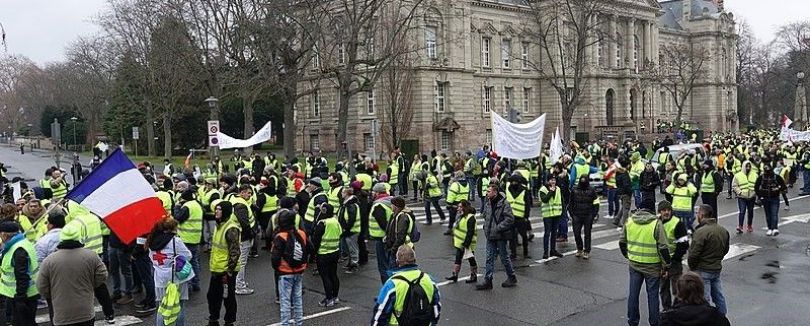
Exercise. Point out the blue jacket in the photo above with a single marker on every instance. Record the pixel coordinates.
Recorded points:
(384, 304)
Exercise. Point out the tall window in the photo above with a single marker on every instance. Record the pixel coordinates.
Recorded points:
(601, 51)
(341, 57)
(527, 93)
(370, 101)
(487, 99)
(316, 103)
(619, 46)
(368, 141)
(485, 46)
(488, 136)
(524, 55)
(445, 143)
(430, 42)
(440, 96)
(507, 99)
(506, 52)
(636, 50)
(314, 143)
(316, 60)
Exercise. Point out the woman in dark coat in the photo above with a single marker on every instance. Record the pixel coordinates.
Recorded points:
(581, 208)
(691, 308)
(649, 182)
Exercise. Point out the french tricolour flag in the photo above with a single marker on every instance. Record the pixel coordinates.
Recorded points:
(117, 192)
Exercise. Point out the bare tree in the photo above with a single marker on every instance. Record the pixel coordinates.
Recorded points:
(565, 31)
(747, 57)
(683, 68)
(359, 49)
(92, 61)
(795, 38)
(398, 83)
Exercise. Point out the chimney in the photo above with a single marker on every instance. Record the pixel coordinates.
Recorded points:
(719, 4)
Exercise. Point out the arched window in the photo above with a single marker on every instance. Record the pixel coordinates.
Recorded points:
(636, 50)
(609, 107)
(619, 47)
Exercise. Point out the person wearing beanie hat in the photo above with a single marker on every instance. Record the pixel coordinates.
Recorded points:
(210, 193)
(401, 227)
(678, 241)
(189, 215)
(68, 277)
(224, 263)
(710, 185)
(290, 245)
(316, 197)
(650, 181)
(350, 220)
(165, 195)
(380, 213)
(683, 193)
(19, 257)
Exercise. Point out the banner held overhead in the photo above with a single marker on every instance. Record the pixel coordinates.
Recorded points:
(260, 136)
(517, 141)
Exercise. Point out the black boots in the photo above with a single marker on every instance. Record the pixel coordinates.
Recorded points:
(510, 282)
(473, 275)
(487, 285)
(454, 276)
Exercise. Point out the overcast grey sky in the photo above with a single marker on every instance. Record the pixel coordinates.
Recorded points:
(40, 29)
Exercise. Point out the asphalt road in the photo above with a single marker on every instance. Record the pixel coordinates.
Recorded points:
(765, 279)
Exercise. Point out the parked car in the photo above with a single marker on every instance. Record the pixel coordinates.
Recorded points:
(676, 150)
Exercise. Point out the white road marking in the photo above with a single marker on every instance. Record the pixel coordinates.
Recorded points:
(44, 318)
(612, 245)
(459, 279)
(121, 320)
(541, 261)
(739, 249)
(320, 314)
(804, 218)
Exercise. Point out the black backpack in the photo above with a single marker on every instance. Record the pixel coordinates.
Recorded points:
(416, 309)
(296, 252)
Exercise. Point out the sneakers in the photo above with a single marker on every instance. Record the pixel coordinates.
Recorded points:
(510, 282)
(578, 254)
(739, 230)
(110, 320)
(448, 232)
(769, 233)
(586, 255)
(323, 302)
(124, 300)
(787, 207)
(609, 216)
(556, 253)
(775, 232)
(146, 309)
(351, 269)
(244, 291)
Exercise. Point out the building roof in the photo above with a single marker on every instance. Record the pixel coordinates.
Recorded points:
(673, 11)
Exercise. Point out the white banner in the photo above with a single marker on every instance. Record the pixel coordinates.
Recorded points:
(260, 136)
(517, 141)
(556, 148)
(791, 135)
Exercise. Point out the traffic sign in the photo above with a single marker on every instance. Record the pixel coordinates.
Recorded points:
(136, 134)
(213, 140)
(213, 127)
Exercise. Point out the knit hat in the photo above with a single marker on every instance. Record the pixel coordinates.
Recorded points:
(398, 201)
(187, 195)
(71, 232)
(664, 204)
(356, 185)
(379, 188)
(682, 177)
(286, 202)
(316, 182)
(9, 227)
(327, 211)
(635, 157)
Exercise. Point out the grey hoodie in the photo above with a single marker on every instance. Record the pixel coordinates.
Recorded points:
(498, 218)
(643, 217)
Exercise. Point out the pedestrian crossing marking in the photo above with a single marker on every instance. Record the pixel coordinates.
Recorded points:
(121, 320)
(45, 318)
(739, 249)
(612, 245)
(320, 314)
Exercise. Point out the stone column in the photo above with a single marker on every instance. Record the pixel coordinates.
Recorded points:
(611, 55)
(655, 41)
(631, 32)
(648, 27)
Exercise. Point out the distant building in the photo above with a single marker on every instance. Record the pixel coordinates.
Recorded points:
(459, 82)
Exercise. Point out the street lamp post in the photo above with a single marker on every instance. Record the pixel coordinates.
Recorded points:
(213, 105)
(74, 119)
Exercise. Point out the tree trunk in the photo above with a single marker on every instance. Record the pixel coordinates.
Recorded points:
(247, 109)
(289, 126)
(566, 115)
(343, 152)
(167, 135)
(150, 129)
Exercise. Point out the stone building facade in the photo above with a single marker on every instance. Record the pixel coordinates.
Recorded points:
(474, 61)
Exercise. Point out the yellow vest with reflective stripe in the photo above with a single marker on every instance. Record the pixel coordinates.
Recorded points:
(433, 186)
(356, 227)
(457, 192)
(206, 200)
(460, 232)
(707, 183)
(91, 231)
(641, 244)
(310, 215)
(219, 245)
(401, 287)
(331, 236)
(374, 229)
(334, 197)
(167, 201)
(681, 197)
(239, 200)
(60, 191)
(190, 231)
(582, 169)
(8, 281)
(518, 203)
(394, 177)
(554, 206)
(669, 227)
(291, 187)
(366, 179)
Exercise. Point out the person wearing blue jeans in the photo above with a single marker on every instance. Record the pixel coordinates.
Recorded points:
(806, 178)
(613, 202)
(495, 249)
(653, 284)
(687, 217)
(292, 307)
(498, 227)
(713, 290)
(746, 207)
(195, 265)
(771, 208)
(710, 243)
(120, 267)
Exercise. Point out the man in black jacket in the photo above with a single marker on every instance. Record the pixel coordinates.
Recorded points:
(517, 186)
(397, 232)
(624, 192)
(498, 222)
(710, 185)
(349, 218)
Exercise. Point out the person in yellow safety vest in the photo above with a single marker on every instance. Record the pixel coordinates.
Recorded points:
(219, 166)
(224, 263)
(733, 166)
(33, 212)
(165, 196)
(432, 193)
(551, 209)
(465, 238)
(210, 172)
(459, 190)
(210, 194)
(381, 212)
(335, 193)
(521, 201)
(416, 166)
(189, 216)
(636, 168)
(393, 175)
(390, 303)
(579, 169)
(247, 221)
(364, 176)
(58, 185)
(316, 197)
(664, 156)
(349, 218)
(267, 205)
(711, 185)
(18, 274)
(678, 244)
(784, 172)
(524, 172)
(326, 242)
(683, 192)
(645, 245)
